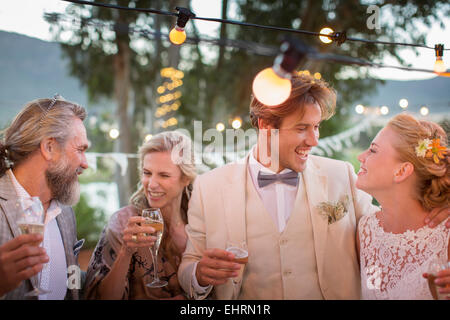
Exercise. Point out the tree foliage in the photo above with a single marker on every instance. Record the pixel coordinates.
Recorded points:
(117, 64)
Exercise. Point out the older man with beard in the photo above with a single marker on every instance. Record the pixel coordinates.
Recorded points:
(41, 154)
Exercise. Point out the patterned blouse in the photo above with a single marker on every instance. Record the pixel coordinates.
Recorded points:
(140, 270)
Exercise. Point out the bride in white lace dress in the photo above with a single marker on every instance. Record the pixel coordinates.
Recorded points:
(406, 169)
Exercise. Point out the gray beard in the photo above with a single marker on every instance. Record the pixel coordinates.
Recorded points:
(63, 183)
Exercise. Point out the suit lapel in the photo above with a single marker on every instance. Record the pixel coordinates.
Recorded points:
(8, 198)
(233, 195)
(316, 192)
(66, 230)
(67, 227)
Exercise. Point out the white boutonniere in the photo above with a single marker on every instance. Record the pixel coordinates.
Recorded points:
(333, 211)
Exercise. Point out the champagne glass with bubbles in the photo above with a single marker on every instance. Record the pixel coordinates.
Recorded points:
(154, 219)
(31, 220)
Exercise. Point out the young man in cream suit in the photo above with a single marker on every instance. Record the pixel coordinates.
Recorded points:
(299, 225)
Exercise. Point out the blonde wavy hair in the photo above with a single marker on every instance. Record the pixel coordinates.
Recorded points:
(432, 188)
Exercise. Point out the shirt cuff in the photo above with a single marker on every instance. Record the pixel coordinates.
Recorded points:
(199, 291)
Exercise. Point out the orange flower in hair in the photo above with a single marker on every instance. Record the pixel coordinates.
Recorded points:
(436, 151)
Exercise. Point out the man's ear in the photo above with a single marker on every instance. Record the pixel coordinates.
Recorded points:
(49, 148)
(263, 124)
(405, 170)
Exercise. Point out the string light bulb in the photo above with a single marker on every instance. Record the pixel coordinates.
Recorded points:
(272, 86)
(237, 123)
(424, 111)
(439, 65)
(114, 133)
(384, 110)
(403, 103)
(359, 109)
(220, 127)
(177, 35)
(326, 39)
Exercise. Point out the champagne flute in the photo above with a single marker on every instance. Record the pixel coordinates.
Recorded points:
(154, 219)
(31, 220)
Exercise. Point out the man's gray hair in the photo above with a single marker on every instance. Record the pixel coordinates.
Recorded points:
(39, 119)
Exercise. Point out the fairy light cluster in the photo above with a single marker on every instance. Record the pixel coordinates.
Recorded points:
(169, 99)
(384, 110)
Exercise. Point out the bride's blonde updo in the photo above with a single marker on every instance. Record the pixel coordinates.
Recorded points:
(433, 178)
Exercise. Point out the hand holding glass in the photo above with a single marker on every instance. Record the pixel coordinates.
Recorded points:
(31, 220)
(435, 267)
(154, 219)
(240, 251)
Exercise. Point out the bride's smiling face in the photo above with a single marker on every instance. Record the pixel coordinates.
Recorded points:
(378, 163)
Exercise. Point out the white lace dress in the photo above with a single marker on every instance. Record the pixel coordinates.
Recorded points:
(392, 264)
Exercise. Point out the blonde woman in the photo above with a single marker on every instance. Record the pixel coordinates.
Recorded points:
(122, 264)
(406, 169)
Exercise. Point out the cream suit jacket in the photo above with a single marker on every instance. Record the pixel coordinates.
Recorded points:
(217, 214)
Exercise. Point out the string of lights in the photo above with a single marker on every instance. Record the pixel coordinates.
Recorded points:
(272, 86)
(340, 37)
(249, 46)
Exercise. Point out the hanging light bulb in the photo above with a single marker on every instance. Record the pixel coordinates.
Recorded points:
(439, 65)
(403, 103)
(177, 35)
(237, 123)
(220, 127)
(114, 133)
(359, 109)
(272, 86)
(326, 39)
(424, 111)
(384, 110)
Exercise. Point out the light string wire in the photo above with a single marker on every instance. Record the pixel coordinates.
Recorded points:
(246, 24)
(253, 47)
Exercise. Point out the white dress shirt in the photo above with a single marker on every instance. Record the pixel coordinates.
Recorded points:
(280, 210)
(284, 194)
(54, 273)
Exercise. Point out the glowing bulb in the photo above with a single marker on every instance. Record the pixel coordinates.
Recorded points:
(114, 133)
(160, 89)
(177, 35)
(439, 65)
(325, 39)
(424, 111)
(220, 127)
(148, 137)
(317, 76)
(384, 110)
(271, 89)
(237, 123)
(359, 109)
(403, 103)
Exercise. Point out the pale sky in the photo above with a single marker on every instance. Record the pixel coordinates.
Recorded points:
(26, 17)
